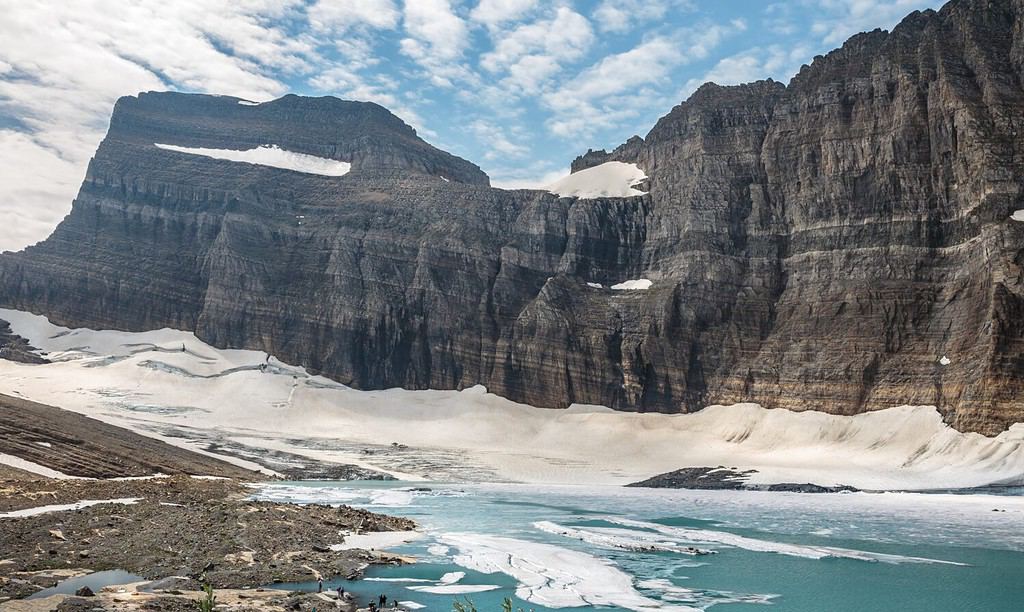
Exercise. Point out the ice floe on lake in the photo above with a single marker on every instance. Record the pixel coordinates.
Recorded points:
(696, 536)
(608, 180)
(272, 156)
(550, 575)
(377, 540)
(624, 539)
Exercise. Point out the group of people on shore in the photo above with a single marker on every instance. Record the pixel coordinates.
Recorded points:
(380, 604)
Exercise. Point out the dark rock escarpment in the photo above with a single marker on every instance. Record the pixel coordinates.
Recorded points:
(821, 245)
(15, 348)
(729, 479)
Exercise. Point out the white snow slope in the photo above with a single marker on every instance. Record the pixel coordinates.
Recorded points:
(168, 383)
(608, 180)
(270, 155)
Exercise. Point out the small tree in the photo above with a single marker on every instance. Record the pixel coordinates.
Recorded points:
(466, 605)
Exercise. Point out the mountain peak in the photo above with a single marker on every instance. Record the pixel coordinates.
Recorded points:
(364, 134)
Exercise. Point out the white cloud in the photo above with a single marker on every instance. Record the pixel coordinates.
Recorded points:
(496, 12)
(837, 20)
(435, 30)
(536, 176)
(624, 15)
(753, 64)
(620, 85)
(72, 60)
(566, 34)
(534, 52)
(495, 139)
(37, 188)
(334, 15)
(437, 39)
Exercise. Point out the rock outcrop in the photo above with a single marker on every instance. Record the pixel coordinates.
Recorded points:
(841, 243)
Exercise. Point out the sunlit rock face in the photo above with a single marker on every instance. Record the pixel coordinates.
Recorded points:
(821, 245)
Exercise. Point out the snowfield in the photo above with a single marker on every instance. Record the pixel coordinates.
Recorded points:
(272, 156)
(608, 180)
(170, 385)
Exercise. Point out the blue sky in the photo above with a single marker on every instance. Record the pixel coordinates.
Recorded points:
(519, 87)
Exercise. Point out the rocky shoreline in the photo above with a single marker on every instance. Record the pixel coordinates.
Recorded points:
(730, 479)
(182, 531)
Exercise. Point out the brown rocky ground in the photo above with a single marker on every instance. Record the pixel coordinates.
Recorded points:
(81, 446)
(197, 529)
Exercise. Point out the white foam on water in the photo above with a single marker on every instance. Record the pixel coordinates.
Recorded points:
(412, 605)
(269, 155)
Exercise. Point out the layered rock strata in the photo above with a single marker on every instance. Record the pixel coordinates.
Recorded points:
(841, 243)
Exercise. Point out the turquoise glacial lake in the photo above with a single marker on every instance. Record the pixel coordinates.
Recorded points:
(611, 548)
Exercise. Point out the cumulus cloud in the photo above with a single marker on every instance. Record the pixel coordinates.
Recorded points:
(497, 12)
(617, 87)
(836, 20)
(755, 64)
(437, 38)
(532, 53)
(500, 70)
(496, 140)
(37, 188)
(66, 64)
(340, 16)
(623, 15)
(435, 30)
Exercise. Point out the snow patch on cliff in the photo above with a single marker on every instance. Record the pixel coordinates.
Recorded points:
(608, 180)
(639, 284)
(272, 156)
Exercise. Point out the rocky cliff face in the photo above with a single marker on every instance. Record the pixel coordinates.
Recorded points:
(843, 243)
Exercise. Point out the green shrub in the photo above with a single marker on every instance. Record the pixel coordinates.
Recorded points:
(208, 603)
